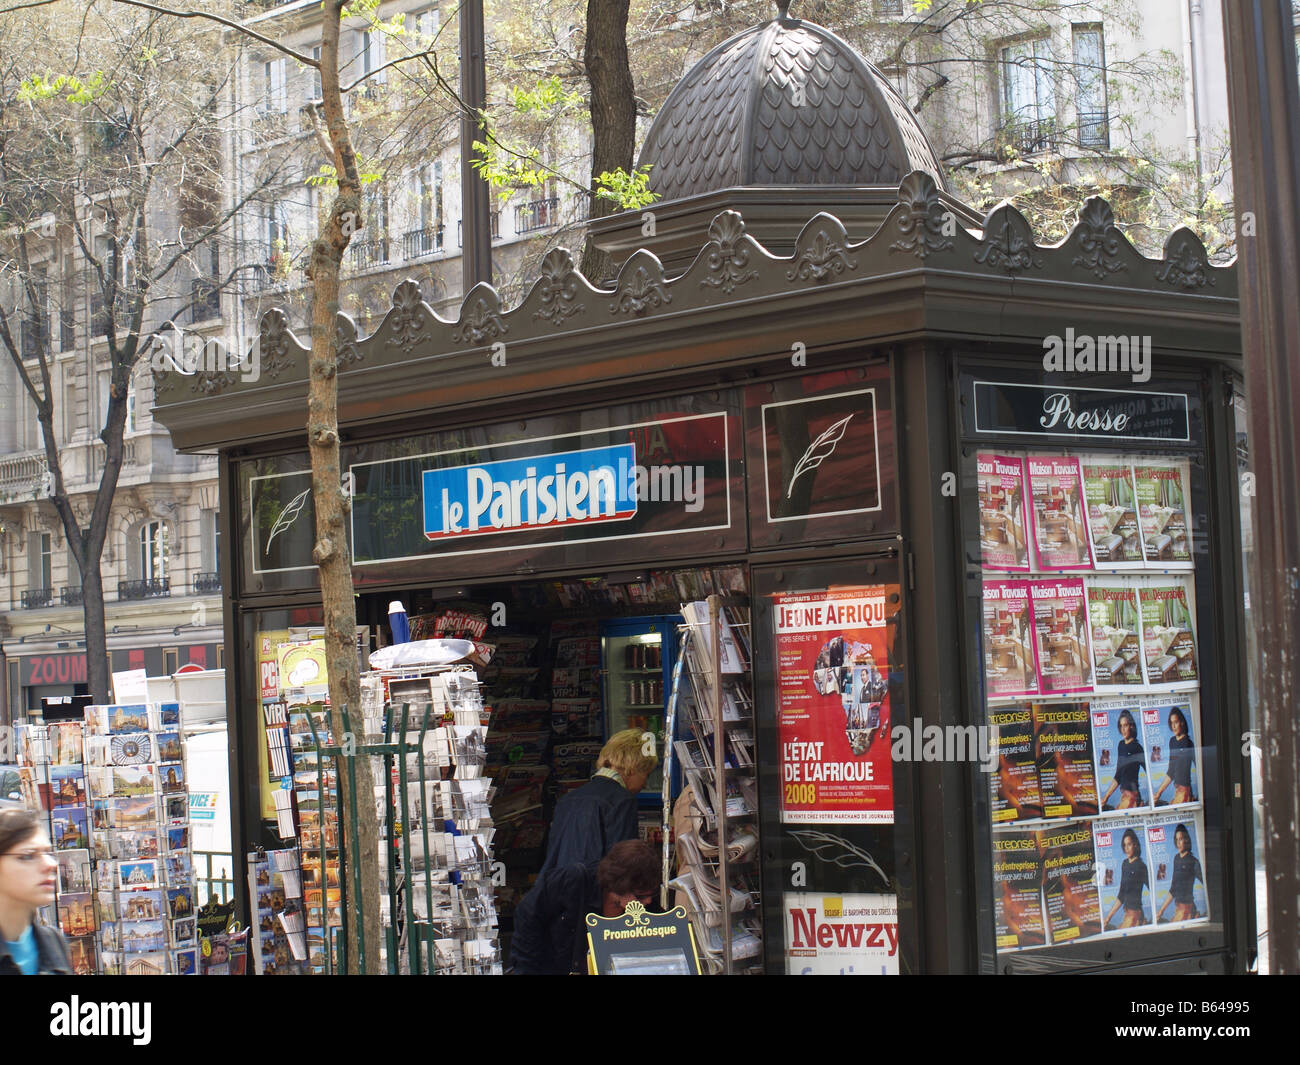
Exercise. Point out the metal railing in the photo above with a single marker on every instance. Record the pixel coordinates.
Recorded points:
(418, 242)
(35, 598)
(205, 300)
(496, 229)
(537, 214)
(71, 597)
(149, 588)
(1028, 135)
(205, 583)
(1094, 129)
(368, 253)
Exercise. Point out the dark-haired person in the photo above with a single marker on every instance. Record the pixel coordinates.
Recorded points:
(1182, 755)
(550, 923)
(1182, 881)
(28, 878)
(1128, 765)
(1132, 882)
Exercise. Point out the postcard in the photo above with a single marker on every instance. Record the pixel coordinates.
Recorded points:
(132, 813)
(67, 785)
(178, 838)
(135, 748)
(66, 746)
(169, 747)
(122, 719)
(142, 905)
(186, 962)
(169, 716)
(68, 827)
(77, 913)
(180, 902)
(149, 963)
(177, 807)
(138, 874)
(133, 781)
(172, 778)
(74, 871)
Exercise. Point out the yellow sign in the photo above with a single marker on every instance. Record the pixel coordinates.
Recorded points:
(302, 665)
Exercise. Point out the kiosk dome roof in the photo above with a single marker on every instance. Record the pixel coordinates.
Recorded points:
(783, 103)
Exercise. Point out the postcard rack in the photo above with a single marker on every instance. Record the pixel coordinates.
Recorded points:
(717, 856)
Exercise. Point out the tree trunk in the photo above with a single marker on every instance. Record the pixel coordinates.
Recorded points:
(613, 110)
(332, 553)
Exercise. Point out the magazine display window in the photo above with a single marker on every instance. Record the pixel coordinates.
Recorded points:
(1090, 551)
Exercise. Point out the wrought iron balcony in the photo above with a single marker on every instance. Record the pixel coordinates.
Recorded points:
(496, 229)
(205, 300)
(1094, 129)
(72, 597)
(150, 588)
(418, 242)
(1028, 135)
(207, 583)
(67, 330)
(35, 598)
(537, 214)
(368, 253)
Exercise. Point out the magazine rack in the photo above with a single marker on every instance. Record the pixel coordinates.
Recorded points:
(711, 689)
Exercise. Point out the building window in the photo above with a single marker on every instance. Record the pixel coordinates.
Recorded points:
(317, 91)
(1028, 99)
(1090, 87)
(210, 540)
(275, 232)
(427, 24)
(275, 97)
(40, 575)
(153, 551)
(370, 57)
(171, 659)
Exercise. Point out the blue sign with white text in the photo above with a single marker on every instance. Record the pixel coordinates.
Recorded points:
(540, 491)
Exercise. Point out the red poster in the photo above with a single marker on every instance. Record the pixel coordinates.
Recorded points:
(832, 653)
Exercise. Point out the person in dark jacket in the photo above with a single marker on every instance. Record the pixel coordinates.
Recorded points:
(550, 922)
(28, 879)
(590, 820)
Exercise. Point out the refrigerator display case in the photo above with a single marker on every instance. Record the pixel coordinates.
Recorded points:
(637, 659)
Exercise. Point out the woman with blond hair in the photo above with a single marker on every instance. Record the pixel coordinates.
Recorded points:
(28, 878)
(590, 820)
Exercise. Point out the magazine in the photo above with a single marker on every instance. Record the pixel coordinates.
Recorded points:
(1060, 531)
(1014, 790)
(1170, 731)
(1070, 899)
(1168, 632)
(1003, 543)
(1116, 633)
(1062, 645)
(1123, 874)
(1017, 891)
(1067, 781)
(1177, 879)
(1162, 511)
(1121, 757)
(1112, 514)
(1009, 664)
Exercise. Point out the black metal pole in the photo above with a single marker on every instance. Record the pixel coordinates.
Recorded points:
(476, 223)
(1264, 109)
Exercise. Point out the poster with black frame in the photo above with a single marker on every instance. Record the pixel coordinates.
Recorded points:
(1139, 710)
(837, 896)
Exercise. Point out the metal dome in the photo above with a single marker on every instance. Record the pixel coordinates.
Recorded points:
(783, 103)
